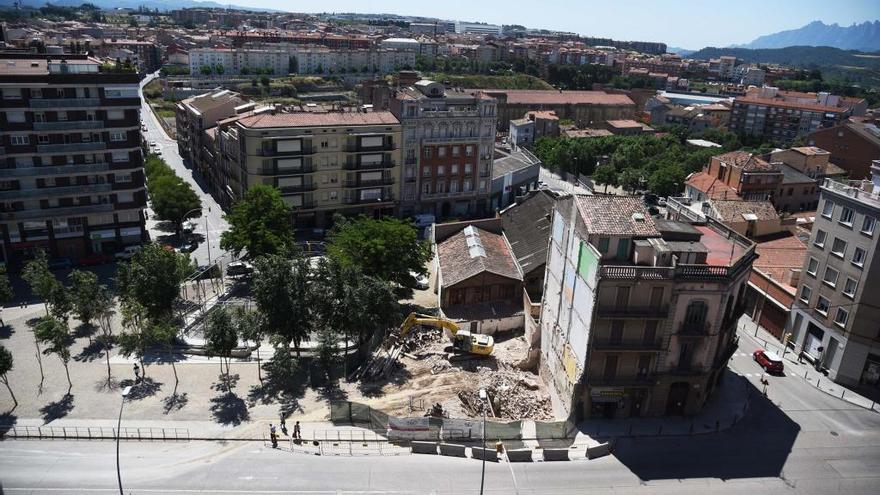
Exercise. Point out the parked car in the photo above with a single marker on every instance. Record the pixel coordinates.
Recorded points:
(60, 264)
(95, 259)
(189, 227)
(154, 144)
(186, 247)
(661, 202)
(239, 268)
(421, 281)
(128, 252)
(768, 360)
(205, 271)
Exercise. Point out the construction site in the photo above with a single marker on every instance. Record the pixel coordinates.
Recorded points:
(430, 371)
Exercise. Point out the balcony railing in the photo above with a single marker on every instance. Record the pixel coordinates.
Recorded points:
(627, 345)
(385, 181)
(52, 192)
(456, 194)
(70, 147)
(84, 168)
(693, 329)
(300, 188)
(356, 200)
(355, 148)
(638, 312)
(69, 125)
(56, 212)
(353, 165)
(641, 380)
(65, 102)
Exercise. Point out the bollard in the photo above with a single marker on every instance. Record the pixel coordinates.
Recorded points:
(817, 382)
(805, 374)
(842, 393)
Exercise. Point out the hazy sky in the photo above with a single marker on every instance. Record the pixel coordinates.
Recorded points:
(684, 23)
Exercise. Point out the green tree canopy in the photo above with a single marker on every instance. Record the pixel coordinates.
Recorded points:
(667, 181)
(6, 363)
(388, 249)
(152, 278)
(284, 295)
(221, 337)
(605, 175)
(56, 338)
(40, 279)
(174, 200)
(87, 295)
(260, 224)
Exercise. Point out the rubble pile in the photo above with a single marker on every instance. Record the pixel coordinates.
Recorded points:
(513, 395)
(421, 338)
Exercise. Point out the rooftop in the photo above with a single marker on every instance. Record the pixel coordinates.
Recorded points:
(587, 133)
(741, 211)
(779, 254)
(746, 161)
(723, 251)
(512, 161)
(616, 215)
(527, 227)
(472, 251)
(626, 124)
(209, 101)
(555, 97)
(703, 143)
(790, 175)
(268, 120)
(810, 150)
(711, 186)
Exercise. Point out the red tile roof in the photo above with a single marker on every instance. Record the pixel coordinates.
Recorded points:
(745, 161)
(457, 263)
(773, 102)
(314, 119)
(614, 215)
(711, 186)
(552, 97)
(779, 255)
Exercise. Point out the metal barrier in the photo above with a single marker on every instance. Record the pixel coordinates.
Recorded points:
(94, 433)
(348, 448)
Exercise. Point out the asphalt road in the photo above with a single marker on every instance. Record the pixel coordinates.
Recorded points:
(798, 440)
(216, 224)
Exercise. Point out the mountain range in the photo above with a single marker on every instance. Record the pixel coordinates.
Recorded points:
(864, 37)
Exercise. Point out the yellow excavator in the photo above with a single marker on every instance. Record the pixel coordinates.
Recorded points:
(462, 340)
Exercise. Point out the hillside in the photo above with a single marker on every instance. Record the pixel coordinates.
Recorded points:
(863, 37)
(162, 5)
(857, 67)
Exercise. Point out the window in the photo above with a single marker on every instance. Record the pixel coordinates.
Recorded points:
(469, 150)
(813, 266)
(828, 209)
(117, 136)
(43, 139)
(841, 317)
(868, 225)
(119, 156)
(441, 170)
(426, 171)
(441, 152)
(468, 168)
(830, 277)
(427, 152)
(603, 244)
(426, 188)
(468, 186)
(806, 293)
(39, 117)
(115, 114)
(19, 140)
(62, 116)
(822, 305)
(483, 186)
(820, 238)
(849, 288)
(453, 169)
(15, 117)
(838, 248)
(122, 178)
(846, 216)
(12, 94)
(858, 257)
(36, 93)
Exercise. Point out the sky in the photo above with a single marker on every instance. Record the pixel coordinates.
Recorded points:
(690, 24)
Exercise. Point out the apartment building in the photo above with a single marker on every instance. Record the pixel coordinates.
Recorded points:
(448, 138)
(145, 54)
(71, 168)
(585, 108)
(239, 60)
(852, 144)
(322, 60)
(834, 318)
(196, 114)
(477, 28)
(781, 116)
(324, 162)
(639, 316)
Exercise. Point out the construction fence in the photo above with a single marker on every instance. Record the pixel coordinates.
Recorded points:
(431, 428)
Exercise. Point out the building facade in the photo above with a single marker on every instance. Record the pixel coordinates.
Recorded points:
(448, 142)
(853, 145)
(638, 318)
(239, 60)
(71, 166)
(834, 319)
(323, 162)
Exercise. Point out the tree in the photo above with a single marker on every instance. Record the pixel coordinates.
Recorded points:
(219, 69)
(206, 70)
(55, 335)
(164, 333)
(174, 200)
(250, 325)
(104, 314)
(138, 336)
(5, 292)
(388, 249)
(221, 338)
(86, 296)
(260, 224)
(284, 295)
(152, 278)
(60, 303)
(264, 80)
(605, 175)
(667, 180)
(5, 367)
(630, 179)
(40, 279)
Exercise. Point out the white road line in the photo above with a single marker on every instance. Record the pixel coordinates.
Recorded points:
(512, 475)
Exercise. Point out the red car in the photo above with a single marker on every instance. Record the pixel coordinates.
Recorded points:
(95, 259)
(768, 360)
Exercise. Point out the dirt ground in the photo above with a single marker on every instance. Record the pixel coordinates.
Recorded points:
(425, 376)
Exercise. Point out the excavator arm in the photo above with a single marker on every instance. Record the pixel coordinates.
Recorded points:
(418, 319)
(463, 340)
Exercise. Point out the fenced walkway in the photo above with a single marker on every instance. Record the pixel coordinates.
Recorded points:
(94, 433)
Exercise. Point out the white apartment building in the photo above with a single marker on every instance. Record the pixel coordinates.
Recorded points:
(474, 28)
(234, 60)
(321, 60)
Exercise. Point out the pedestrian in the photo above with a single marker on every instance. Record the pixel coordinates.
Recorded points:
(273, 436)
(296, 432)
(137, 373)
(283, 426)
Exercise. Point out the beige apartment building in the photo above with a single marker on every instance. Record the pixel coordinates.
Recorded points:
(323, 162)
(639, 315)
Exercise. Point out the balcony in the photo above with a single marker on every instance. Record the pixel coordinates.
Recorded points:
(69, 125)
(353, 165)
(385, 181)
(305, 150)
(305, 169)
(442, 195)
(300, 188)
(356, 148)
(636, 345)
(449, 139)
(687, 329)
(645, 380)
(65, 102)
(637, 312)
(84, 168)
(53, 192)
(70, 147)
(56, 212)
(356, 200)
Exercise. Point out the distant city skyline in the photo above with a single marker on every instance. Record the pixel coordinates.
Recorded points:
(691, 24)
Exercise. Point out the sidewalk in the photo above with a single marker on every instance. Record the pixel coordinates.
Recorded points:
(805, 370)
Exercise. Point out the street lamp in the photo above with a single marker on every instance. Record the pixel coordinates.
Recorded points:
(125, 392)
(483, 397)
